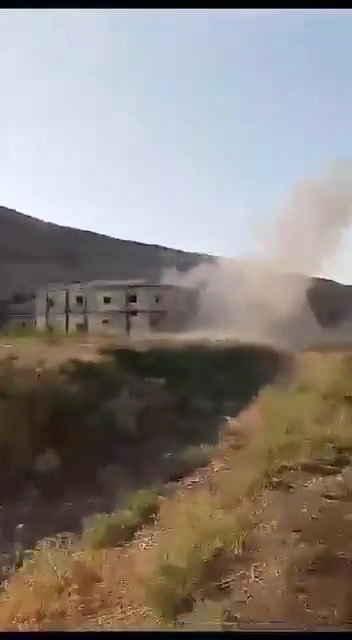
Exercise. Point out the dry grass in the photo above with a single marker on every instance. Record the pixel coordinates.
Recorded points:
(66, 590)
(198, 528)
(305, 420)
(34, 350)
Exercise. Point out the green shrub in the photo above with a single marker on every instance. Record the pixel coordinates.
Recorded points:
(184, 558)
(191, 458)
(112, 530)
(144, 503)
(310, 418)
(197, 456)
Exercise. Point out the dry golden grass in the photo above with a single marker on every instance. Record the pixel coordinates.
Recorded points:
(135, 586)
(287, 425)
(146, 583)
(65, 590)
(34, 350)
(55, 349)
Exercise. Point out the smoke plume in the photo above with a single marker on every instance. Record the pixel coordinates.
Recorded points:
(265, 299)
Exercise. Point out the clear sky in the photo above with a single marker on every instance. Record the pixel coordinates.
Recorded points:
(183, 128)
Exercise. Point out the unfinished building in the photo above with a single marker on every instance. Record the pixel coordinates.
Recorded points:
(116, 307)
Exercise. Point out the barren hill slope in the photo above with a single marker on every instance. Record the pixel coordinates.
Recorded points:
(33, 252)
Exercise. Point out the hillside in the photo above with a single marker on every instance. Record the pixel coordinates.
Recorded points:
(33, 252)
(139, 495)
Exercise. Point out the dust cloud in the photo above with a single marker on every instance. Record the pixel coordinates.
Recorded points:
(265, 299)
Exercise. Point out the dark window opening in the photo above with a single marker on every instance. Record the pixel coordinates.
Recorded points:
(157, 299)
(105, 321)
(79, 300)
(133, 314)
(107, 299)
(132, 298)
(50, 302)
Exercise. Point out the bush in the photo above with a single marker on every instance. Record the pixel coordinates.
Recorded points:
(80, 404)
(112, 530)
(60, 410)
(185, 551)
(310, 417)
(144, 503)
(191, 458)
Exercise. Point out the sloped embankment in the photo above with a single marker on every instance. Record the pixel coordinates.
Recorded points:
(104, 437)
(262, 537)
(294, 565)
(130, 402)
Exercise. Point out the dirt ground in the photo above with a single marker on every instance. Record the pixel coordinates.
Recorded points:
(29, 352)
(296, 568)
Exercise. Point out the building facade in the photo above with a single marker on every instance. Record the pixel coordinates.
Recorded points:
(113, 307)
(20, 316)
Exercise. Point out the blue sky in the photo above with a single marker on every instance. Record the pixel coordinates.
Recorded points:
(183, 128)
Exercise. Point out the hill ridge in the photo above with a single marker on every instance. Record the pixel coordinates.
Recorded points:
(34, 252)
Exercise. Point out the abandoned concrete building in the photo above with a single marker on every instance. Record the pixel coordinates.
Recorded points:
(117, 307)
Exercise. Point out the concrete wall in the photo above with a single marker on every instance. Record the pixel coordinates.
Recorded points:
(40, 322)
(40, 303)
(108, 322)
(55, 322)
(139, 324)
(106, 300)
(57, 301)
(76, 299)
(76, 322)
(139, 298)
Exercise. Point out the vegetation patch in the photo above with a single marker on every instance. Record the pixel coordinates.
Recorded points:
(126, 399)
(112, 530)
(305, 419)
